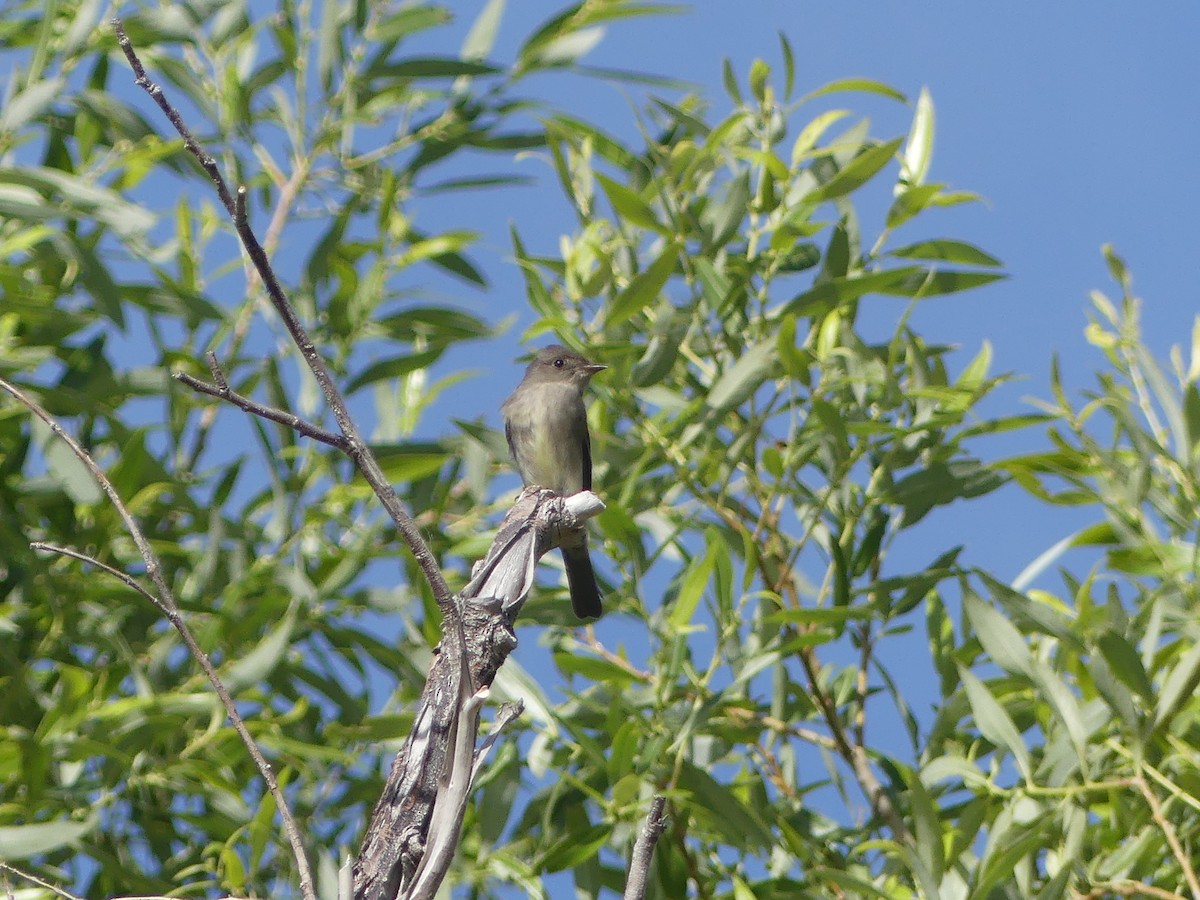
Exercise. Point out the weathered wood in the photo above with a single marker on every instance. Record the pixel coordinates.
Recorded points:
(446, 726)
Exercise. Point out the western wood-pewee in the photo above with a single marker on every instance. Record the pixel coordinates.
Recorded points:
(546, 426)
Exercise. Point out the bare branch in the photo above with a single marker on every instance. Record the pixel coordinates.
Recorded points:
(432, 773)
(166, 603)
(1181, 855)
(643, 849)
(123, 577)
(356, 448)
(221, 390)
(33, 879)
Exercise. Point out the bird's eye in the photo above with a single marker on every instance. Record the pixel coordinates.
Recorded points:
(558, 363)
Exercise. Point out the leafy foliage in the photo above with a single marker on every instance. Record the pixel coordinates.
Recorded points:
(764, 453)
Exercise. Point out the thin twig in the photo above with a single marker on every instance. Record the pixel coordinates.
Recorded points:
(356, 448)
(221, 390)
(862, 684)
(643, 849)
(166, 603)
(1168, 831)
(33, 879)
(128, 580)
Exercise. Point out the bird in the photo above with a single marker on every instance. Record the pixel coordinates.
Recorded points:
(545, 423)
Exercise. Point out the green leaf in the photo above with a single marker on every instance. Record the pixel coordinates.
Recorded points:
(29, 103)
(919, 151)
(1062, 700)
(429, 67)
(942, 483)
(252, 667)
(948, 250)
(644, 288)
(1003, 644)
(759, 73)
(695, 580)
(723, 218)
(595, 669)
(65, 467)
(994, 722)
(629, 206)
(857, 172)
(393, 367)
(734, 821)
(812, 132)
(482, 36)
(910, 201)
(24, 841)
(912, 281)
(822, 615)
(730, 82)
(789, 66)
(714, 283)
(855, 84)
(576, 847)
(409, 21)
(1125, 664)
(927, 827)
(738, 383)
(1179, 687)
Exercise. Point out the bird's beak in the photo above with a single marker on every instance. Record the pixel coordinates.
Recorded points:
(592, 370)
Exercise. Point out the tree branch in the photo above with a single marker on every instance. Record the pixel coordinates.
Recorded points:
(643, 849)
(419, 813)
(166, 603)
(356, 448)
(221, 390)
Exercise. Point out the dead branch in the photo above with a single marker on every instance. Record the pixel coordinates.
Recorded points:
(402, 853)
(643, 850)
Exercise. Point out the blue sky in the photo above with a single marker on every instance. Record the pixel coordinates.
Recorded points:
(1075, 125)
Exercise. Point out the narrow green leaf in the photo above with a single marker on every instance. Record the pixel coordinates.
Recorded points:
(482, 36)
(730, 82)
(812, 132)
(919, 150)
(822, 615)
(759, 73)
(1126, 664)
(941, 483)
(714, 284)
(408, 21)
(65, 467)
(251, 668)
(430, 67)
(723, 217)
(575, 848)
(1179, 687)
(948, 250)
(857, 172)
(927, 829)
(855, 84)
(994, 722)
(29, 103)
(1003, 644)
(629, 205)
(736, 384)
(789, 66)
(393, 367)
(736, 822)
(24, 841)
(695, 580)
(910, 201)
(644, 288)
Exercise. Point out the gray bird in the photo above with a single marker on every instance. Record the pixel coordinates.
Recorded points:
(546, 426)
